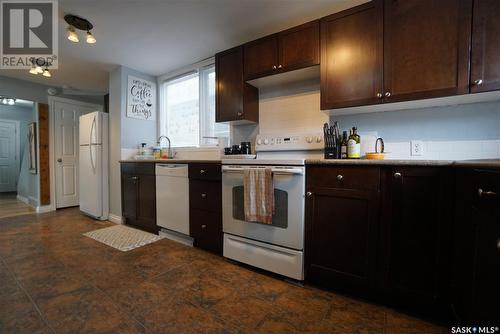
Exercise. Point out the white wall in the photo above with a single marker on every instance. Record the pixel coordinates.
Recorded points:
(468, 131)
(125, 134)
(292, 108)
(26, 90)
(27, 185)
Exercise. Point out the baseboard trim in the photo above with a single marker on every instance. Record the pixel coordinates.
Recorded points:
(115, 219)
(44, 208)
(23, 199)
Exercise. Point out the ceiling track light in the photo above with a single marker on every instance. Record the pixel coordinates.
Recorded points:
(8, 100)
(76, 22)
(37, 67)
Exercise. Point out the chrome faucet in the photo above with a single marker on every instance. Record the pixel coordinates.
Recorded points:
(169, 146)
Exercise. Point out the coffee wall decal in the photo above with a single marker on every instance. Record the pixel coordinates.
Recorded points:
(141, 99)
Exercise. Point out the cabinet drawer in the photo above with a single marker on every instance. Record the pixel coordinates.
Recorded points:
(127, 168)
(205, 195)
(138, 168)
(205, 171)
(206, 229)
(344, 177)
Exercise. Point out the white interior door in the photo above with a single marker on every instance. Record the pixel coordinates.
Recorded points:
(66, 127)
(8, 157)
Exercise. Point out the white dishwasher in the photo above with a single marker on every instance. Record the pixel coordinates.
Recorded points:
(172, 197)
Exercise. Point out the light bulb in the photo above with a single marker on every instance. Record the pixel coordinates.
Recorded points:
(11, 102)
(90, 38)
(46, 73)
(72, 36)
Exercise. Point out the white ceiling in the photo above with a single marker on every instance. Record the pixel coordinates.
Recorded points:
(159, 36)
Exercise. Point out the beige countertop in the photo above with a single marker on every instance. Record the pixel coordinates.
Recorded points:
(485, 163)
(172, 161)
(482, 163)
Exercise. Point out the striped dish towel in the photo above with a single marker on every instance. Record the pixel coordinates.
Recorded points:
(258, 195)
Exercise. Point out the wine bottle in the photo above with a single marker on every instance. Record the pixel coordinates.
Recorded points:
(343, 147)
(354, 145)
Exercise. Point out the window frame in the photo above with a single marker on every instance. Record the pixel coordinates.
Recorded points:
(199, 69)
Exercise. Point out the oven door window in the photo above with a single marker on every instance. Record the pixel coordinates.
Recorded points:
(280, 218)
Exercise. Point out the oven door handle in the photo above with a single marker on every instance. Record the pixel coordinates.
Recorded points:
(277, 171)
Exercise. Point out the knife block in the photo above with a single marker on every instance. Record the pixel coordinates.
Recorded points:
(332, 153)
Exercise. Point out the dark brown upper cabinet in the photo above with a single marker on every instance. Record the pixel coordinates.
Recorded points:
(426, 48)
(288, 50)
(299, 47)
(235, 99)
(261, 57)
(351, 57)
(485, 62)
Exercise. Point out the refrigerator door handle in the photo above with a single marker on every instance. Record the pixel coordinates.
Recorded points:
(92, 158)
(92, 127)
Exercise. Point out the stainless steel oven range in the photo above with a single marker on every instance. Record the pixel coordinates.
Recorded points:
(278, 247)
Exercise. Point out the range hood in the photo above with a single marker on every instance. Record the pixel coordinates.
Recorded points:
(283, 79)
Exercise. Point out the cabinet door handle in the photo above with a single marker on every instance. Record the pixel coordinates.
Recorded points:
(135, 178)
(280, 66)
(340, 177)
(202, 171)
(380, 95)
(397, 175)
(240, 113)
(274, 67)
(309, 194)
(203, 195)
(484, 193)
(478, 82)
(203, 226)
(387, 94)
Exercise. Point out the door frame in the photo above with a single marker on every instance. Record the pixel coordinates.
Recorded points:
(17, 138)
(52, 159)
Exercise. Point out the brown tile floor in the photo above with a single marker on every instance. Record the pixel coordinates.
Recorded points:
(10, 206)
(54, 280)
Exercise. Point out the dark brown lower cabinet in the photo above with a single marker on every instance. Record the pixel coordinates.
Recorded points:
(476, 264)
(139, 195)
(341, 228)
(416, 236)
(205, 206)
(381, 232)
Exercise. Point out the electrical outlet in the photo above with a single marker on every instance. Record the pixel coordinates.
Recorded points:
(417, 147)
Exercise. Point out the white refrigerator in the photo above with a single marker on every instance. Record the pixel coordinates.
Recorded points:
(94, 186)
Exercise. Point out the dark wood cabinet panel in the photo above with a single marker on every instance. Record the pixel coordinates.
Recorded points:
(351, 57)
(146, 202)
(206, 172)
(205, 195)
(341, 234)
(139, 195)
(205, 206)
(346, 177)
(418, 230)
(235, 99)
(485, 60)
(426, 48)
(299, 47)
(477, 245)
(206, 229)
(129, 197)
(261, 57)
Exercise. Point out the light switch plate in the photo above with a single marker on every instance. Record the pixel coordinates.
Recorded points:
(417, 147)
